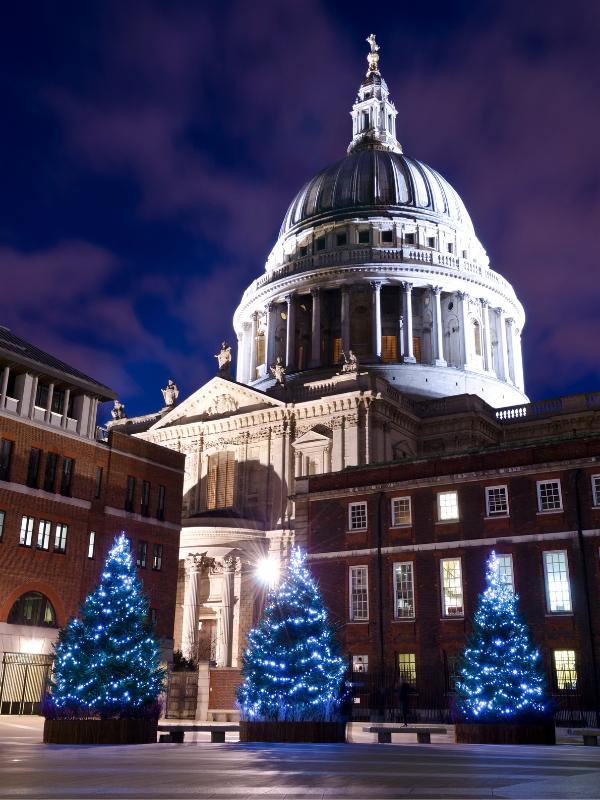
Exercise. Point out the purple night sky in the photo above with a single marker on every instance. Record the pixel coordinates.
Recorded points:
(150, 150)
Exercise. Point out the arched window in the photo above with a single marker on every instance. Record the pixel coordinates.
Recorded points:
(477, 337)
(221, 480)
(33, 608)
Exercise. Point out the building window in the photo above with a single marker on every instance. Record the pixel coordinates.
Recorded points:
(157, 558)
(26, 534)
(60, 538)
(91, 544)
(43, 540)
(505, 571)
(565, 670)
(303, 251)
(341, 239)
(130, 493)
(359, 594)
(389, 349)
(496, 501)
(33, 608)
(558, 589)
(452, 590)
(66, 477)
(153, 614)
(2, 518)
(357, 517)
(321, 243)
(160, 506)
(407, 668)
(409, 238)
(404, 593)
(549, 496)
(98, 482)
(41, 395)
(450, 247)
(58, 401)
(431, 241)
(451, 670)
(145, 500)
(360, 663)
(33, 467)
(447, 506)
(5, 457)
(401, 512)
(596, 490)
(50, 472)
(142, 553)
(221, 480)
(364, 237)
(387, 237)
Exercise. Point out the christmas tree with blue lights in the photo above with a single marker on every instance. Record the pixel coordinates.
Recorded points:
(500, 676)
(107, 660)
(291, 667)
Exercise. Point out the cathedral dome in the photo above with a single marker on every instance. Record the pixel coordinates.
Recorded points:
(371, 181)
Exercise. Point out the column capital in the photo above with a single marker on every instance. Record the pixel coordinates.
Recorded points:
(462, 295)
(316, 291)
(255, 315)
(270, 306)
(510, 321)
(484, 303)
(194, 563)
(408, 287)
(246, 327)
(230, 563)
(289, 298)
(376, 285)
(436, 290)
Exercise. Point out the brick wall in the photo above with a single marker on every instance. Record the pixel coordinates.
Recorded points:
(222, 687)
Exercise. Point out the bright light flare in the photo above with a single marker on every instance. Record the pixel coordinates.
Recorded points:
(267, 571)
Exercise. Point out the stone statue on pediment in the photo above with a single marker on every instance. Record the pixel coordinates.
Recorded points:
(118, 410)
(278, 371)
(170, 394)
(350, 363)
(224, 360)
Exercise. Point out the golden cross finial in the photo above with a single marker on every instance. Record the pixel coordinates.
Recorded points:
(373, 56)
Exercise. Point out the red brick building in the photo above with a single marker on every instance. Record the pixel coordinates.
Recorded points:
(66, 490)
(400, 549)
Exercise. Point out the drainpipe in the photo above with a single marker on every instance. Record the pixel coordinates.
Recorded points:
(586, 590)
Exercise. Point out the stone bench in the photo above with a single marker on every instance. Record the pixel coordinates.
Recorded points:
(176, 733)
(590, 735)
(384, 733)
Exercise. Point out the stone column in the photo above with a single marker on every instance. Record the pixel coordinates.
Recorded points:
(502, 349)
(439, 359)
(253, 333)
(34, 386)
(487, 336)
(227, 601)
(376, 318)
(290, 337)
(49, 403)
(5, 374)
(63, 421)
(244, 357)
(510, 348)
(193, 572)
(345, 291)
(463, 322)
(239, 364)
(269, 334)
(409, 358)
(315, 341)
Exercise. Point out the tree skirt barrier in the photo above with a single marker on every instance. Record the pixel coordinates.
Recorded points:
(100, 731)
(505, 733)
(322, 732)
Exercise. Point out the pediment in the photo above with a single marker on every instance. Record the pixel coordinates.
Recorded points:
(311, 438)
(216, 399)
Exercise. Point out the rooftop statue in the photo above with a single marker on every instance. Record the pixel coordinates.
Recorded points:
(224, 360)
(170, 394)
(350, 362)
(118, 410)
(278, 371)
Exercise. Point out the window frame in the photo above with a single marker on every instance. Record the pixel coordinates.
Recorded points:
(352, 571)
(141, 560)
(595, 491)
(401, 524)
(91, 551)
(407, 672)
(43, 536)
(61, 530)
(538, 485)
(33, 467)
(157, 557)
(26, 531)
(441, 519)
(66, 476)
(360, 663)
(549, 609)
(387, 236)
(569, 669)
(350, 507)
(496, 514)
(145, 499)
(50, 472)
(512, 568)
(6, 454)
(445, 614)
(395, 575)
(2, 522)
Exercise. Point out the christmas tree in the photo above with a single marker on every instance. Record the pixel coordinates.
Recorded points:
(500, 678)
(292, 670)
(107, 660)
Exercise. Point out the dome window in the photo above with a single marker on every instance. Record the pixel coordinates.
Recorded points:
(410, 238)
(341, 239)
(431, 241)
(387, 236)
(321, 243)
(303, 251)
(364, 237)
(450, 247)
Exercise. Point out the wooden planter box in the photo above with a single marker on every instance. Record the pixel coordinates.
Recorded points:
(505, 733)
(323, 732)
(100, 731)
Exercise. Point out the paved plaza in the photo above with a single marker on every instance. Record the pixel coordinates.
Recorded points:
(359, 771)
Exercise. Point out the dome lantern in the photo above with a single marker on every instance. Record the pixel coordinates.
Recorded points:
(373, 113)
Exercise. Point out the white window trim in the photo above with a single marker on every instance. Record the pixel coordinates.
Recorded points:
(495, 514)
(441, 521)
(350, 614)
(350, 507)
(595, 494)
(462, 588)
(404, 524)
(547, 585)
(395, 577)
(512, 567)
(539, 497)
